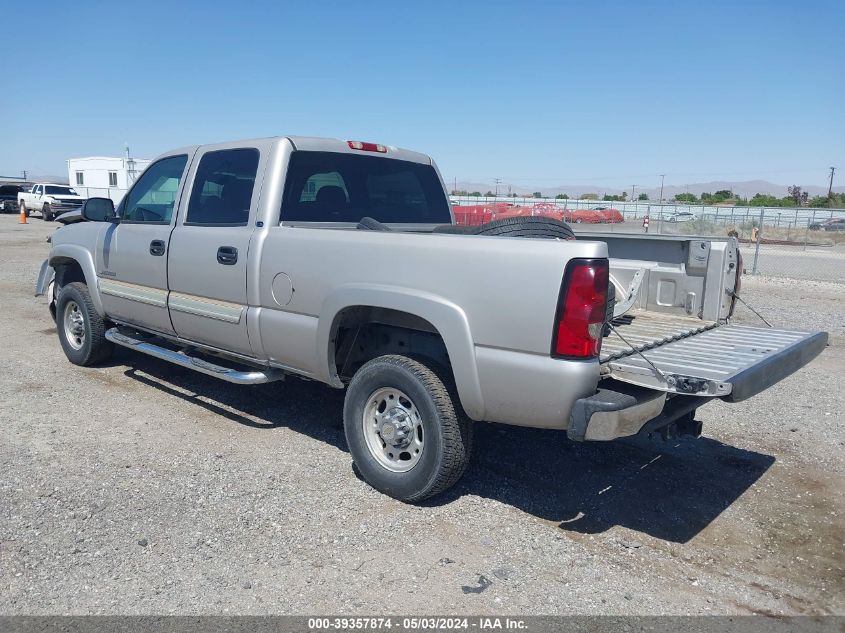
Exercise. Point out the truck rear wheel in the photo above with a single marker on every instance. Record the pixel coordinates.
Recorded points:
(82, 332)
(407, 436)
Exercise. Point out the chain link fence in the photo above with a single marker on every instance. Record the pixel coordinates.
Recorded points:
(796, 243)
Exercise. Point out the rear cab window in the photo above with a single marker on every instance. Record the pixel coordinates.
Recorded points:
(223, 187)
(338, 187)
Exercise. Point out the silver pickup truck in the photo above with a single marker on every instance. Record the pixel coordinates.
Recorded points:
(339, 261)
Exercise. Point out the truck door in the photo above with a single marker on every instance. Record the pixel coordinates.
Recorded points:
(208, 256)
(132, 255)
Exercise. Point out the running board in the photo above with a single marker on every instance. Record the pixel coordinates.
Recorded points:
(255, 377)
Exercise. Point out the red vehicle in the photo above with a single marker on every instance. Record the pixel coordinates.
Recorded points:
(583, 216)
(610, 215)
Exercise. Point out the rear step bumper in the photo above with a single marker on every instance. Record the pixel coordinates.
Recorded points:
(620, 410)
(251, 377)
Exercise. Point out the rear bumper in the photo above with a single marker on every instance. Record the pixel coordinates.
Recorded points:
(615, 410)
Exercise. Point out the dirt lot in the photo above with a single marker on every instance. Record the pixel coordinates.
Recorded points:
(138, 487)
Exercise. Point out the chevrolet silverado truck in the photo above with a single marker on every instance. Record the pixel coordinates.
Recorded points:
(339, 261)
(50, 200)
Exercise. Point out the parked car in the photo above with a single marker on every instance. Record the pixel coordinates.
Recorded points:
(338, 261)
(50, 200)
(9, 197)
(681, 216)
(833, 224)
(585, 216)
(610, 215)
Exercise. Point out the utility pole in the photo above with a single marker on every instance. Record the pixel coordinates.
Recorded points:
(662, 176)
(633, 189)
(497, 181)
(24, 175)
(830, 188)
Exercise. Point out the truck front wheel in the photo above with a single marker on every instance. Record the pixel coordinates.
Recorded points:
(82, 332)
(46, 213)
(405, 431)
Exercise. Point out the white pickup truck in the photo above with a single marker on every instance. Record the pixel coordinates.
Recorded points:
(338, 261)
(50, 200)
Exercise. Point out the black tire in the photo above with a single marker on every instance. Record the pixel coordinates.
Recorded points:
(447, 432)
(46, 215)
(457, 229)
(536, 227)
(93, 347)
(371, 224)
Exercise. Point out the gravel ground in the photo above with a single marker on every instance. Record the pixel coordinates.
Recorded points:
(137, 487)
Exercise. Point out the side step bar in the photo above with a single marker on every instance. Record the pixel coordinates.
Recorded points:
(254, 377)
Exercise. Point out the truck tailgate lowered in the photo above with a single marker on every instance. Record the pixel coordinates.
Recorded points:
(732, 362)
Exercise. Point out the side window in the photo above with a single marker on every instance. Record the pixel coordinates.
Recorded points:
(223, 186)
(37, 189)
(154, 194)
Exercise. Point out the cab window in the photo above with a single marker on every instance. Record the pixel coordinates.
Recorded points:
(222, 191)
(153, 197)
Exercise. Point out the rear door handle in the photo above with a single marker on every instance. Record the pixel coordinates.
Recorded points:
(157, 248)
(227, 255)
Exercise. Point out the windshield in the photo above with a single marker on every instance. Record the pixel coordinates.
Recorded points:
(52, 190)
(334, 187)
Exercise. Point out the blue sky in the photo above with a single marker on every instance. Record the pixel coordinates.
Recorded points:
(535, 93)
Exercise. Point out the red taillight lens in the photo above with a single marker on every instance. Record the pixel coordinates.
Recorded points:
(581, 313)
(367, 147)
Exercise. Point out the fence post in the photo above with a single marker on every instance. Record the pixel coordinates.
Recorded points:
(759, 239)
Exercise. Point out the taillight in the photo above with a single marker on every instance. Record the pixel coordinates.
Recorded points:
(367, 147)
(581, 309)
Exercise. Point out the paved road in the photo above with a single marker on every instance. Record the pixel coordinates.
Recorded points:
(136, 487)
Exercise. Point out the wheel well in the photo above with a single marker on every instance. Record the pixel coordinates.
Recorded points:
(362, 333)
(67, 271)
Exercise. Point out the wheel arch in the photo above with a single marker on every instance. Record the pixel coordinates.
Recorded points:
(409, 309)
(74, 263)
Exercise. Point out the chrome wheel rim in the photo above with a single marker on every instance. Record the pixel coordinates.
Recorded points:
(393, 430)
(74, 323)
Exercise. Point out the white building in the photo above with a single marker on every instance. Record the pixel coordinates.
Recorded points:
(104, 176)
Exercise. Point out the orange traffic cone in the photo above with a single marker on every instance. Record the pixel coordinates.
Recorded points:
(23, 217)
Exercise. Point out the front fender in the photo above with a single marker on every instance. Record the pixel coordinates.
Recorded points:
(67, 253)
(45, 277)
(447, 317)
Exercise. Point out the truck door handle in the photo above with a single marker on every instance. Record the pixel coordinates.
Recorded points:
(157, 247)
(227, 255)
